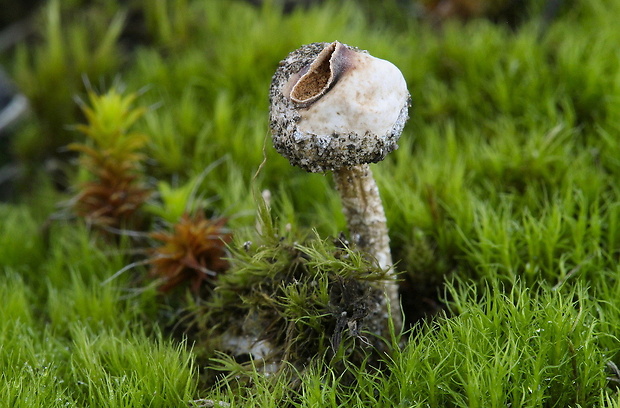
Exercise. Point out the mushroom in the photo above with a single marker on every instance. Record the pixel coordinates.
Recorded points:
(336, 108)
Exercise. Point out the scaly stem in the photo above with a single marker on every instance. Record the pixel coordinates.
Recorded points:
(367, 224)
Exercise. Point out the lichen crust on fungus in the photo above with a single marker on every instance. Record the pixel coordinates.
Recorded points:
(334, 106)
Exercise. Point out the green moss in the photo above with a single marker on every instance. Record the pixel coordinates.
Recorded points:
(21, 242)
(307, 298)
(51, 73)
(505, 180)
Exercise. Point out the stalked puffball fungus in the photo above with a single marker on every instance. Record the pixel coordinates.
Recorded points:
(337, 108)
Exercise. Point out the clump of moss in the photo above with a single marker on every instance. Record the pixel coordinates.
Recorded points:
(286, 301)
(194, 251)
(112, 157)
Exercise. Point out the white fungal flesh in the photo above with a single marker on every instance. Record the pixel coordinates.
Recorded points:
(367, 97)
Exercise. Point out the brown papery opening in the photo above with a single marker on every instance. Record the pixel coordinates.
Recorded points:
(318, 78)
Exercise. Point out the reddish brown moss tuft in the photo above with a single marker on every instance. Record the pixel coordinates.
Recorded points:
(195, 251)
(111, 201)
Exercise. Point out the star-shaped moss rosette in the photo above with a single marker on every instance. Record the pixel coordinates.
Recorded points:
(195, 251)
(336, 108)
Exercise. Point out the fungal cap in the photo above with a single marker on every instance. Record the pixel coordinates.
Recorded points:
(335, 106)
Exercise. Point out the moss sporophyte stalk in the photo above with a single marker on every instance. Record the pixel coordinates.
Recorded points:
(336, 108)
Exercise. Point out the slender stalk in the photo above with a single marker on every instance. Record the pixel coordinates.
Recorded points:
(367, 224)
